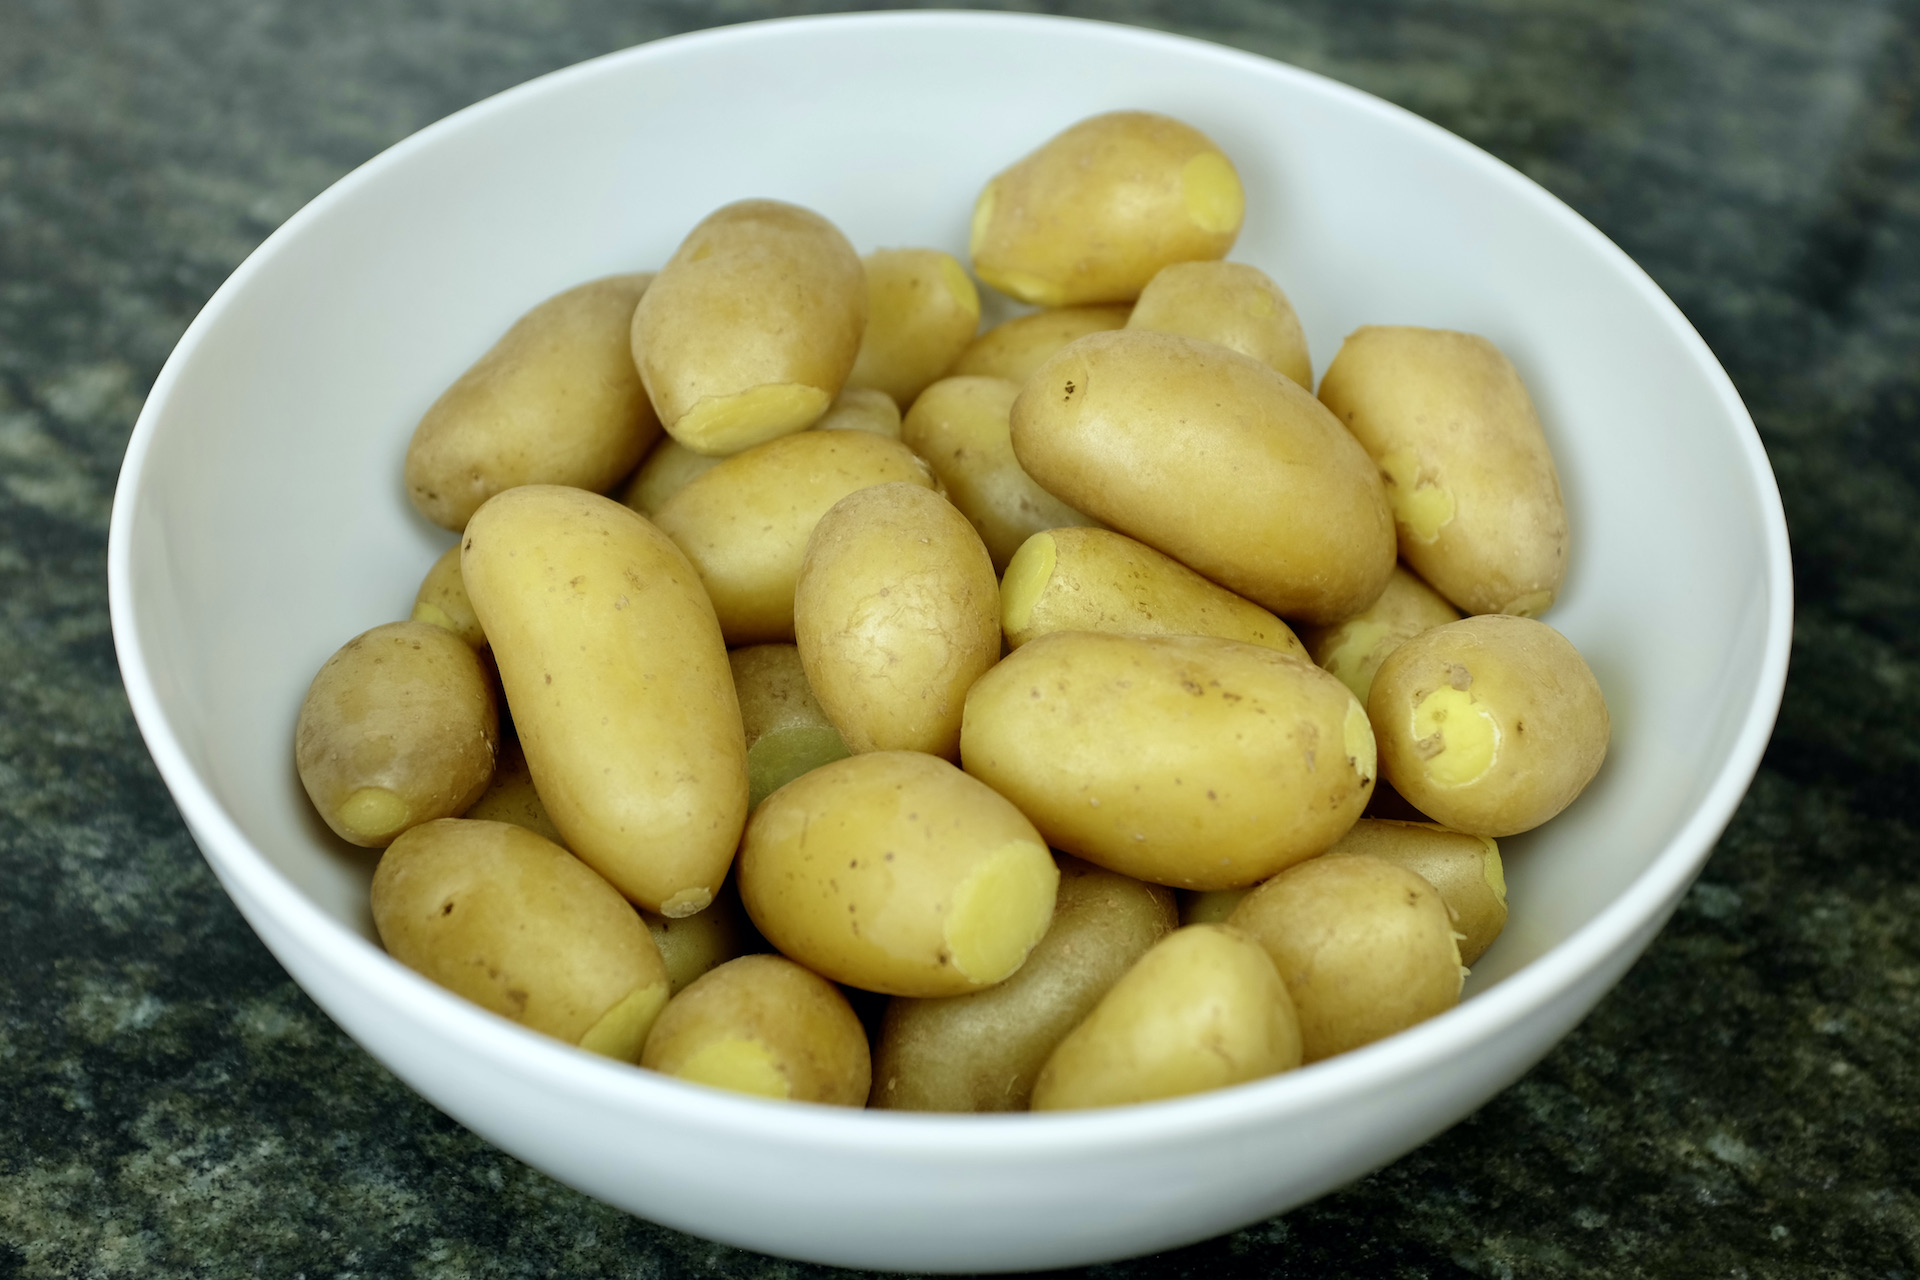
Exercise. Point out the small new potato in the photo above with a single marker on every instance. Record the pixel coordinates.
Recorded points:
(555, 401)
(982, 1052)
(1202, 1010)
(442, 600)
(400, 726)
(1366, 949)
(1230, 303)
(897, 613)
(1353, 650)
(519, 926)
(922, 311)
(895, 872)
(751, 328)
(1015, 348)
(788, 733)
(1465, 869)
(1490, 725)
(1098, 210)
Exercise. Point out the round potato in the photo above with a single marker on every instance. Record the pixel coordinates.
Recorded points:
(788, 733)
(400, 726)
(1232, 304)
(1465, 869)
(1353, 650)
(664, 472)
(922, 311)
(897, 614)
(1015, 348)
(752, 326)
(1183, 760)
(555, 401)
(442, 600)
(519, 926)
(895, 872)
(1476, 499)
(1490, 725)
(1216, 460)
(708, 938)
(862, 409)
(1098, 210)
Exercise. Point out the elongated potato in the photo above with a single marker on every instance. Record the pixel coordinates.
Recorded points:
(862, 409)
(707, 939)
(618, 679)
(764, 1025)
(752, 326)
(1490, 725)
(1099, 209)
(788, 733)
(1353, 650)
(1366, 949)
(1216, 460)
(1465, 869)
(981, 1052)
(1016, 347)
(1098, 580)
(1184, 760)
(1232, 304)
(442, 600)
(959, 425)
(517, 925)
(745, 524)
(895, 872)
(555, 401)
(1203, 1010)
(511, 796)
(668, 466)
(399, 727)
(897, 613)
(1476, 499)
(922, 311)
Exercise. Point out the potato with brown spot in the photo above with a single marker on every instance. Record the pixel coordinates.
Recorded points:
(1354, 649)
(922, 311)
(442, 600)
(1015, 348)
(1465, 869)
(788, 732)
(1233, 304)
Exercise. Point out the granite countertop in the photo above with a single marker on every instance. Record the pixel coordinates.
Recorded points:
(1746, 1103)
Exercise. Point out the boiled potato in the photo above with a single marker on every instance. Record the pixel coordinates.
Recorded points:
(1476, 499)
(787, 732)
(1465, 869)
(1098, 210)
(752, 326)
(1183, 760)
(1210, 906)
(517, 925)
(922, 311)
(1202, 1010)
(1098, 580)
(401, 726)
(1216, 460)
(1353, 650)
(765, 1026)
(959, 425)
(897, 613)
(1015, 348)
(1232, 304)
(981, 1052)
(555, 401)
(442, 600)
(511, 796)
(1490, 725)
(708, 938)
(618, 679)
(862, 409)
(668, 466)
(895, 872)
(745, 524)
(1366, 949)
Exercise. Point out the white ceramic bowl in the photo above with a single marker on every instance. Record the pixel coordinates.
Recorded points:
(260, 522)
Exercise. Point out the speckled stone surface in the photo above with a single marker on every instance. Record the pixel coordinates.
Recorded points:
(1747, 1103)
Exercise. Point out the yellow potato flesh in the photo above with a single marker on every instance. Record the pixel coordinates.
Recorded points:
(922, 311)
(442, 600)
(1353, 650)
(1465, 869)
(787, 731)
(1232, 304)
(1016, 348)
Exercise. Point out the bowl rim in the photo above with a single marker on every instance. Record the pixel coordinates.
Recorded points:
(250, 878)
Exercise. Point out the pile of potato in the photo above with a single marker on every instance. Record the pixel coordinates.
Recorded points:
(946, 705)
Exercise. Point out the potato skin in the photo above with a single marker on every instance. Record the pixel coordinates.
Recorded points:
(511, 796)
(788, 732)
(1476, 499)
(895, 872)
(922, 311)
(442, 600)
(1186, 761)
(711, 936)
(1465, 869)
(752, 326)
(1354, 649)
(517, 925)
(1216, 460)
(1233, 304)
(1015, 348)
(1490, 725)
(982, 1052)
(618, 679)
(862, 409)
(400, 726)
(666, 469)
(555, 401)
(1096, 211)
(897, 613)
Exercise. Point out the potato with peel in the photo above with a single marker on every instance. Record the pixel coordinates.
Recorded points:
(1099, 209)
(1490, 725)
(1187, 761)
(922, 311)
(400, 726)
(1476, 499)
(895, 872)
(1353, 650)
(511, 796)
(862, 409)
(1465, 869)
(959, 425)
(555, 401)
(1015, 348)
(1366, 949)
(708, 938)
(442, 600)
(751, 328)
(1202, 1010)
(1230, 303)
(666, 469)
(982, 1052)
(787, 732)
(519, 926)
(1098, 580)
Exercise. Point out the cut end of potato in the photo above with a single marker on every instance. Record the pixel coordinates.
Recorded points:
(1421, 507)
(373, 814)
(1212, 193)
(623, 1029)
(965, 296)
(1530, 605)
(1001, 911)
(1027, 576)
(728, 424)
(1456, 738)
(1024, 285)
(982, 219)
(1362, 751)
(1493, 871)
(686, 902)
(434, 615)
(739, 1064)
